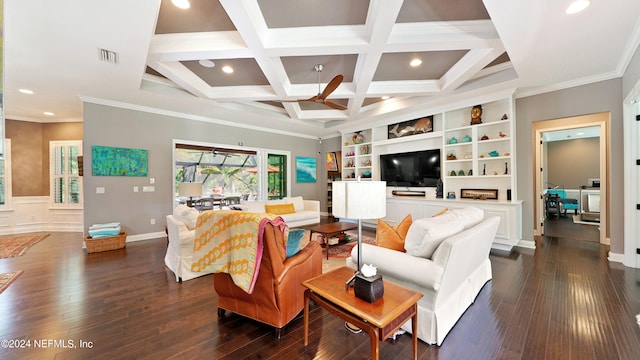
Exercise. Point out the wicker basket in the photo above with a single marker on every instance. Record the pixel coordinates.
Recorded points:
(105, 243)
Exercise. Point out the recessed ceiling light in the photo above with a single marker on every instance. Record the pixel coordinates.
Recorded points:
(182, 4)
(386, 97)
(415, 62)
(206, 63)
(228, 69)
(580, 133)
(26, 91)
(577, 6)
(49, 113)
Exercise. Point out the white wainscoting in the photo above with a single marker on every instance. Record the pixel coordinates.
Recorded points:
(32, 214)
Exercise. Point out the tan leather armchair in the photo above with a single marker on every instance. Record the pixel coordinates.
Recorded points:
(278, 295)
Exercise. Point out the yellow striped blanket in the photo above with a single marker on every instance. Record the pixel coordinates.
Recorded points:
(230, 241)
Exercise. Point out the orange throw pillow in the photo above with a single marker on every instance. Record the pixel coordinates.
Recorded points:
(392, 237)
(280, 209)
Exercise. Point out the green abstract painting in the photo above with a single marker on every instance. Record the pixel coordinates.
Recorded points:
(113, 161)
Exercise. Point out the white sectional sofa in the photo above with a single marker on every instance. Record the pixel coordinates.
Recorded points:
(307, 212)
(450, 277)
(181, 231)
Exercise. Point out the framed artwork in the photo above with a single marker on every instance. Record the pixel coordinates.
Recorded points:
(305, 169)
(411, 127)
(113, 161)
(332, 162)
(480, 194)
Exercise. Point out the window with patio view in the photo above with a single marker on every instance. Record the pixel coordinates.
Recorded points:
(66, 186)
(227, 173)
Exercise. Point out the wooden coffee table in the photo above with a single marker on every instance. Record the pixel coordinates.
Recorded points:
(330, 229)
(380, 319)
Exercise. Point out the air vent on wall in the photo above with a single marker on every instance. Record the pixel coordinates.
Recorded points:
(108, 56)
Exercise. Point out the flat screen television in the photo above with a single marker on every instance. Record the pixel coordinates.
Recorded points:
(418, 168)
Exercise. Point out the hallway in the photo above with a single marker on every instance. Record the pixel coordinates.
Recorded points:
(564, 227)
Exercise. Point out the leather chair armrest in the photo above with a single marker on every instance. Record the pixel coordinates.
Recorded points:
(298, 259)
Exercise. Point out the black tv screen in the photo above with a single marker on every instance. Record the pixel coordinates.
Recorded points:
(419, 168)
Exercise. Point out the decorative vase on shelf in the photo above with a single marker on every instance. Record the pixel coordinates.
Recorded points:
(358, 138)
(439, 186)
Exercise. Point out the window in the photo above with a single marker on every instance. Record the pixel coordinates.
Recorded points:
(249, 174)
(277, 176)
(5, 176)
(66, 185)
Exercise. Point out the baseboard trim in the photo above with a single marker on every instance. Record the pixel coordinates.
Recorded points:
(527, 244)
(615, 257)
(147, 236)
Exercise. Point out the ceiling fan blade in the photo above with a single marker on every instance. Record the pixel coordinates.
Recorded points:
(331, 86)
(312, 99)
(334, 105)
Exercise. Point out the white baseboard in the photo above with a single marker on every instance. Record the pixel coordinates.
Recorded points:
(527, 244)
(614, 257)
(147, 236)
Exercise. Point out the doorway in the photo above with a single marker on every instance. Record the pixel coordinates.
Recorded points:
(578, 188)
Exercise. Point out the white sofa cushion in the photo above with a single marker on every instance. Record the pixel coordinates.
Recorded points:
(297, 201)
(309, 214)
(297, 216)
(425, 235)
(254, 206)
(423, 273)
(470, 216)
(276, 202)
(186, 215)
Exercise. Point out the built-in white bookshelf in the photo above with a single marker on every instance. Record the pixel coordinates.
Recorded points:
(482, 156)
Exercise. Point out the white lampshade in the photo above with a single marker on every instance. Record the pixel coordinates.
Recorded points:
(190, 189)
(359, 199)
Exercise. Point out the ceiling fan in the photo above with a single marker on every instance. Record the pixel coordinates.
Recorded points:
(321, 98)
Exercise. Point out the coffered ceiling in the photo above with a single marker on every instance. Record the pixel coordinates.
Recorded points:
(467, 48)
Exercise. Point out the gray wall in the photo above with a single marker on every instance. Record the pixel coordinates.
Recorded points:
(570, 163)
(110, 126)
(605, 96)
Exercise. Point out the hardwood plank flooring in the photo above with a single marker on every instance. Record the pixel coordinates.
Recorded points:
(564, 227)
(562, 301)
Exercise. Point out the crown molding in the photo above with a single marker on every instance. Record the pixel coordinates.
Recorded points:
(148, 109)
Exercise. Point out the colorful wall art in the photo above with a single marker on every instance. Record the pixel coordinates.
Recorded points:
(113, 161)
(332, 162)
(305, 169)
(411, 127)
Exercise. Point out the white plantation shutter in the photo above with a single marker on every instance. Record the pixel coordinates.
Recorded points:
(66, 185)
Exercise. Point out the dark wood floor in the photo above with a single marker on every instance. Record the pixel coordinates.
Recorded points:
(563, 301)
(564, 227)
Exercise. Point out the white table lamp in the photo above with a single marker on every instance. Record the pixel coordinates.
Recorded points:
(190, 190)
(359, 200)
